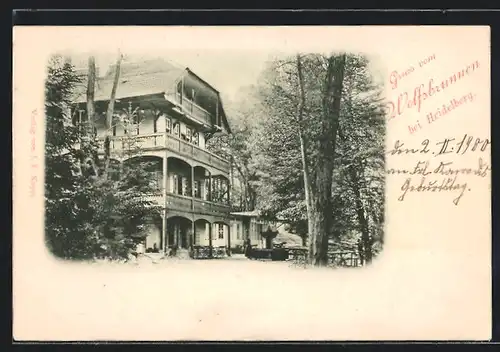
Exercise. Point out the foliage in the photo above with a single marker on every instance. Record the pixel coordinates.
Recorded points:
(65, 203)
(239, 147)
(93, 208)
(358, 183)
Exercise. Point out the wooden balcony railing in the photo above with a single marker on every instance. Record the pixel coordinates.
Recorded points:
(154, 141)
(191, 108)
(188, 204)
(203, 206)
(178, 202)
(156, 198)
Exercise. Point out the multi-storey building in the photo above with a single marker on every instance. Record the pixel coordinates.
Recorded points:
(175, 114)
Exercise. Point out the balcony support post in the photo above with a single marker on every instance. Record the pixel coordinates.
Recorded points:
(217, 111)
(164, 191)
(192, 188)
(210, 226)
(176, 234)
(210, 198)
(193, 235)
(164, 232)
(229, 239)
(182, 90)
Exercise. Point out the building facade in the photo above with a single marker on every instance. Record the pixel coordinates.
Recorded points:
(247, 225)
(175, 113)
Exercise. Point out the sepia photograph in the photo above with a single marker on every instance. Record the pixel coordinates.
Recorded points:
(251, 183)
(146, 160)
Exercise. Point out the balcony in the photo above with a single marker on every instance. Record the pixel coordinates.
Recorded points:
(205, 207)
(179, 203)
(190, 108)
(188, 204)
(158, 141)
(156, 198)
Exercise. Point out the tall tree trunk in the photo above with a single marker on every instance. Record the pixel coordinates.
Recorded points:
(91, 78)
(361, 253)
(110, 112)
(246, 197)
(363, 222)
(321, 194)
(303, 148)
(91, 92)
(251, 197)
(111, 104)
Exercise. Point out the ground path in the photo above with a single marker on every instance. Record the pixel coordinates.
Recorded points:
(230, 299)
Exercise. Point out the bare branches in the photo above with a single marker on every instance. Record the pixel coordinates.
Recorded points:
(91, 90)
(111, 104)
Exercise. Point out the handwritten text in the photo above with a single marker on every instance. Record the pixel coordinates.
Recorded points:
(463, 144)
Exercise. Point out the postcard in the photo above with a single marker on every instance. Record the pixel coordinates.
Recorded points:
(251, 183)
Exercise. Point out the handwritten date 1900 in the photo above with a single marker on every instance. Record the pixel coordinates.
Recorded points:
(446, 146)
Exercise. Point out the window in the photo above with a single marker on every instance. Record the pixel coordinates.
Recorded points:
(188, 134)
(185, 188)
(221, 231)
(207, 189)
(217, 190)
(80, 119)
(114, 130)
(136, 118)
(238, 233)
(196, 138)
(197, 192)
(224, 191)
(176, 129)
(179, 185)
(174, 184)
(168, 125)
(213, 193)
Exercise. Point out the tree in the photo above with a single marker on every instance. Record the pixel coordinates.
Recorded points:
(301, 115)
(361, 151)
(120, 203)
(293, 94)
(320, 216)
(65, 202)
(239, 147)
(93, 209)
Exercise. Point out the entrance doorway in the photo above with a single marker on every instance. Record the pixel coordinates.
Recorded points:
(179, 230)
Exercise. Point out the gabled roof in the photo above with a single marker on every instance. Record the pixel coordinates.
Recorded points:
(136, 79)
(147, 77)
